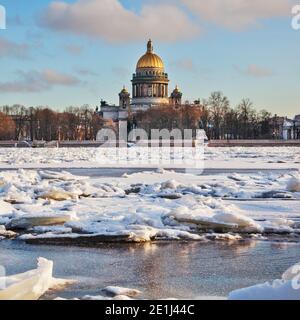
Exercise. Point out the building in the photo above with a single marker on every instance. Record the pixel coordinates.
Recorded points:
(150, 88)
(291, 128)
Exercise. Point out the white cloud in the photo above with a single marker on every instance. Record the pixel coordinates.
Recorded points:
(73, 49)
(53, 77)
(10, 49)
(186, 64)
(86, 72)
(111, 21)
(256, 71)
(34, 81)
(238, 14)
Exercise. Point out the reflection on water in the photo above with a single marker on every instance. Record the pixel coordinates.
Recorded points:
(160, 270)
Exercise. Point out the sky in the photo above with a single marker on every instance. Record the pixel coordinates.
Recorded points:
(75, 52)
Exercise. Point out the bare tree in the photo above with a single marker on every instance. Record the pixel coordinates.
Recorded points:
(245, 110)
(7, 127)
(218, 105)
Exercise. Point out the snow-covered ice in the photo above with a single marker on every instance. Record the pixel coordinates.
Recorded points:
(148, 206)
(119, 291)
(229, 157)
(30, 285)
(286, 288)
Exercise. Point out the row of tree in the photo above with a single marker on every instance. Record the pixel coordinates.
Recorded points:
(214, 115)
(18, 123)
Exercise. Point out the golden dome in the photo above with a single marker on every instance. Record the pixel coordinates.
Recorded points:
(176, 89)
(124, 90)
(150, 59)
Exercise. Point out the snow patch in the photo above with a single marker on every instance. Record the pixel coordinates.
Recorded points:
(293, 185)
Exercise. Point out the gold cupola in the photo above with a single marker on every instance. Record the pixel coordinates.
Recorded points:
(150, 59)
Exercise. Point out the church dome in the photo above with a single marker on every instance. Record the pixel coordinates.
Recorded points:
(150, 59)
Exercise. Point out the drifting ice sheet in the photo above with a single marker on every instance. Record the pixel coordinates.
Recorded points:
(286, 288)
(30, 285)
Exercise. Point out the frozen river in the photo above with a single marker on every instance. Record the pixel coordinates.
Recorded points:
(159, 270)
(243, 195)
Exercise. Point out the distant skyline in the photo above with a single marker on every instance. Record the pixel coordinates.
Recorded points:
(62, 53)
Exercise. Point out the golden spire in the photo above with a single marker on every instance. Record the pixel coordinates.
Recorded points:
(149, 46)
(150, 59)
(176, 88)
(124, 90)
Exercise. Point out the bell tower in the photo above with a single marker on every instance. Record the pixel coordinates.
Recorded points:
(176, 97)
(124, 99)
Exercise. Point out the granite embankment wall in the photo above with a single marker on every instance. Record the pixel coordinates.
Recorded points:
(254, 143)
(212, 143)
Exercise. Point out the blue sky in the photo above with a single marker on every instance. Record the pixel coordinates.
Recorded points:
(83, 50)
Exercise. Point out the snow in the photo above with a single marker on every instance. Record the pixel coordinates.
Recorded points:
(286, 288)
(293, 184)
(30, 285)
(229, 206)
(277, 290)
(96, 298)
(119, 291)
(229, 157)
(6, 209)
(147, 206)
(151, 205)
(6, 233)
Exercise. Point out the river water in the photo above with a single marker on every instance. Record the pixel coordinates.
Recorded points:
(160, 270)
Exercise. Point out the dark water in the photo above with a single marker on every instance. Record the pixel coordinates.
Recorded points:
(159, 270)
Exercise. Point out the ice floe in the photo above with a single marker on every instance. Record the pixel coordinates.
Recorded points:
(293, 184)
(30, 285)
(64, 157)
(119, 291)
(6, 233)
(286, 288)
(53, 207)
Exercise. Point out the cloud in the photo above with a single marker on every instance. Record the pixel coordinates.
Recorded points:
(86, 72)
(111, 21)
(35, 81)
(185, 64)
(10, 49)
(53, 77)
(73, 49)
(238, 14)
(256, 71)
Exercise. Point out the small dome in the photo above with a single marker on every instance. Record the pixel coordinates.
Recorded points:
(150, 59)
(124, 90)
(176, 90)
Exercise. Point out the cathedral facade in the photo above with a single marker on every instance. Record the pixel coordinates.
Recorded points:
(150, 88)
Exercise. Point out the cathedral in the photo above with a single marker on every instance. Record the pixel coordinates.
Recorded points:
(150, 87)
